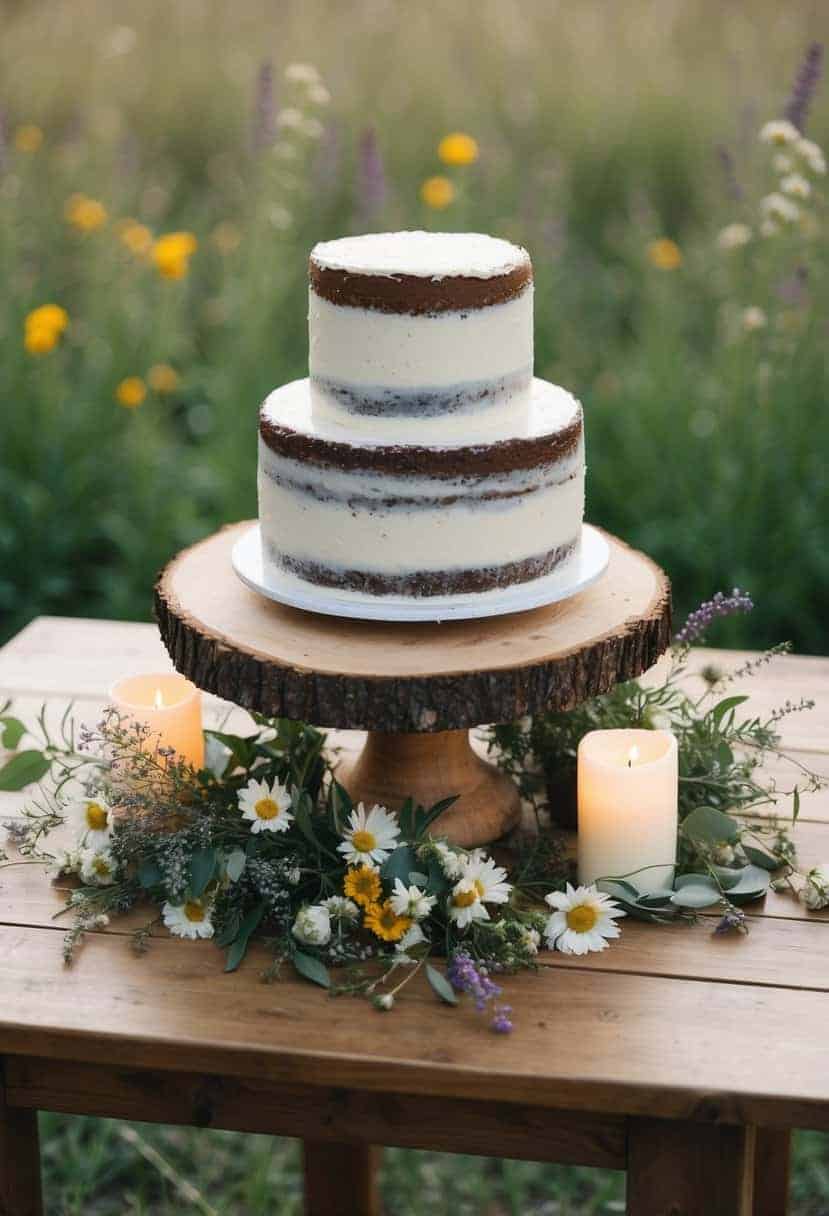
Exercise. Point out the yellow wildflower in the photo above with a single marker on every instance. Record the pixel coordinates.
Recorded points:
(437, 192)
(384, 922)
(136, 237)
(665, 254)
(226, 237)
(458, 149)
(51, 315)
(40, 339)
(172, 253)
(43, 328)
(28, 138)
(362, 884)
(131, 392)
(162, 378)
(85, 214)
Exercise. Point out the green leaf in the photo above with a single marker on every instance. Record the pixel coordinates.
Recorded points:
(12, 732)
(149, 873)
(618, 888)
(239, 945)
(754, 883)
(202, 869)
(419, 879)
(795, 804)
(696, 896)
(312, 969)
(23, 769)
(399, 864)
(229, 932)
(656, 899)
(242, 750)
(234, 864)
(725, 706)
(425, 819)
(302, 817)
(759, 857)
(710, 826)
(728, 876)
(441, 985)
(341, 804)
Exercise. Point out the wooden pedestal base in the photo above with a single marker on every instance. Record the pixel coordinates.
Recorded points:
(428, 767)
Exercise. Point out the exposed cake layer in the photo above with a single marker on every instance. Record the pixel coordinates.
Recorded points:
(420, 519)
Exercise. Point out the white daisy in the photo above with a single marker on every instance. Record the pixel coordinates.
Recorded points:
(487, 878)
(812, 154)
(341, 908)
(465, 905)
(312, 926)
(777, 207)
(291, 118)
(98, 867)
(65, 861)
(313, 128)
(754, 318)
(190, 919)
(530, 940)
(92, 820)
(769, 228)
(583, 920)
(780, 132)
(782, 163)
(451, 862)
(319, 95)
(411, 901)
(733, 236)
(796, 186)
(302, 73)
(369, 838)
(266, 806)
(412, 937)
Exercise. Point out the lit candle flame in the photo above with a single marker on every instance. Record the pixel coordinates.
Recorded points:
(633, 756)
(158, 699)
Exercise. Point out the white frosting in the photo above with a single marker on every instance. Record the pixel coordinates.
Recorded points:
(363, 348)
(426, 255)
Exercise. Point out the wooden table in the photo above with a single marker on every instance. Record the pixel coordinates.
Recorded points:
(684, 1058)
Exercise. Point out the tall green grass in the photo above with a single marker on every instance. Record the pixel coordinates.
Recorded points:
(598, 128)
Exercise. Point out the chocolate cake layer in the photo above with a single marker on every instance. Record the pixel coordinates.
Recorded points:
(425, 402)
(416, 295)
(424, 583)
(476, 460)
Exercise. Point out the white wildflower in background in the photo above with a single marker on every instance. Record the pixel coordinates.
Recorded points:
(312, 926)
(465, 904)
(583, 920)
(369, 838)
(733, 236)
(411, 901)
(266, 806)
(769, 228)
(487, 878)
(98, 867)
(776, 206)
(91, 819)
(190, 919)
(279, 217)
(302, 73)
(339, 907)
(290, 118)
(780, 132)
(812, 154)
(319, 95)
(782, 163)
(814, 894)
(530, 940)
(753, 318)
(796, 186)
(312, 128)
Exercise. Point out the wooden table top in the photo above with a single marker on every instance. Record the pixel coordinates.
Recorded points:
(668, 1021)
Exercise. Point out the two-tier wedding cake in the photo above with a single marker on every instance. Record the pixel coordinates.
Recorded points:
(420, 458)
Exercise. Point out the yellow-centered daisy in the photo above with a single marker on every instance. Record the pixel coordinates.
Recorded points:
(583, 920)
(266, 806)
(190, 919)
(370, 837)
(362, 884)
(385, 923)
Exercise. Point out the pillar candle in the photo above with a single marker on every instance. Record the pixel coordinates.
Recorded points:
(628, 787)
(170, 705)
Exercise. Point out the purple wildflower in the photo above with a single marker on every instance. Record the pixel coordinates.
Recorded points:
(465, 975)
(372, 177)
(501, 1023)
(264, 120)
(721, 605)
(733, 921)
(805, 85)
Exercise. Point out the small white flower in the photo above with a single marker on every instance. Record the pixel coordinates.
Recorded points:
(530, 940)
(312, 926)
(279, 217)
(451, 862)
(411, 901)
(385, 1001)
(66, 861)
(754, 318)
(92, 820)
(487, 878)
(312, 128)
(340, 908)
(777, 207)
(814, 894)
(293, 876)
(782, 163)
(412, 937)
(98, 867)
(796, 186)
(369, 837)
(769, 228)
(812, 154)
(291, 119)
(100, 921)
(319, 95)
(465, 904)
(190, 919)
(266, 806)
(583, 920)
(733, 236)
(780, 132)
(302, 73)
(722, 854)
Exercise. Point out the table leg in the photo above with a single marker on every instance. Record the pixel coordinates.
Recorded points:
(340, 1179)
(771, 1171)
(20, 1193)
(689, 1169)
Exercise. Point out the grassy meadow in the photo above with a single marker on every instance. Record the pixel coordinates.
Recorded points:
(616, 142)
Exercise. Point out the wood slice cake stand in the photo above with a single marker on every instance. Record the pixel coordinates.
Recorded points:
(416, 688)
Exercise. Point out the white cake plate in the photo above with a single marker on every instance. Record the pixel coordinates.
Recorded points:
(587, 564)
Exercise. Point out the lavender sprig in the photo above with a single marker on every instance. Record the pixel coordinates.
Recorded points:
(805, 85)
(264, 119)
(372, 177)
(465, 975)
(701, 618)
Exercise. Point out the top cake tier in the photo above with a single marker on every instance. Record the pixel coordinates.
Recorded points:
(420, 332)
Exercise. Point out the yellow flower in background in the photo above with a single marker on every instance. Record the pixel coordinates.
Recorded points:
(458, 149)
(84, 213)
(226, 237)
(131, 392)
(162, 378)
(665, 254)
(437, 192)
(172, 253)
(28, 138)
(135, 236)
(43, 328)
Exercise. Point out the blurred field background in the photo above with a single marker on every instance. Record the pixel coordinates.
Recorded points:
(131, 431)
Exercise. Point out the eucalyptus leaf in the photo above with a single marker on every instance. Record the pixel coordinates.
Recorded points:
(23, 769)
(12, 732)
(239, 945)
(234, 864)
(425, 819)
(418, 879)
(441, 985)
(727, 876)
(149, 873)
(696, 896)
(710, 826)
(618, 888)
(202, 868)
(754, 883)
(656, 899)
(399, 864)
(312, 969)
(692, 880)
(759, 857)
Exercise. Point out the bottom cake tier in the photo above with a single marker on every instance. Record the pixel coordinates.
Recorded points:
(415, 520)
